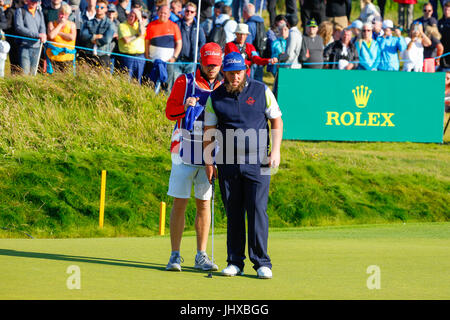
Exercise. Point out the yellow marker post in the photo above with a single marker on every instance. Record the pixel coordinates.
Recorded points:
(102, 199)
(162, 218)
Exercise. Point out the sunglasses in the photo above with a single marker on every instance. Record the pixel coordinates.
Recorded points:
(367, 30)
(189, 11)
(100, 7)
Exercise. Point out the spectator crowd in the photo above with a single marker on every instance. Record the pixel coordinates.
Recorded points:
(156, 40)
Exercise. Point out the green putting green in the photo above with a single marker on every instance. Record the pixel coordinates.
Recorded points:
(412, 261)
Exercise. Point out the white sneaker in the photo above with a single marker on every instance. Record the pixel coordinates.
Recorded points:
(231, 271)
(264, 273)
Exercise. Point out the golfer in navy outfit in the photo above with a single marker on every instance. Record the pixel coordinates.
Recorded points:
(237, 115)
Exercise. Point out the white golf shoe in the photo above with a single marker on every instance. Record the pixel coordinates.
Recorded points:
(232, 271)
(264, 273)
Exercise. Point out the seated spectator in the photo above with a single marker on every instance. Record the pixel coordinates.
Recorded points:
(29, 22)
(341, 54)
(427, 19)
(247, 50)
(326, 32)
(413, 55)
(444, 30)
(368, 12)
(390, 46)
(132, 45)
(97, 34)
(405, 13)
(163, 42)
(356, 28)
(313, 46)
(368, 50)
(188, 29)
(61, 54)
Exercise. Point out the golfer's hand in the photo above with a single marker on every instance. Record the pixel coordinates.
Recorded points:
(211, 172)
(274, 159)
(190, 102)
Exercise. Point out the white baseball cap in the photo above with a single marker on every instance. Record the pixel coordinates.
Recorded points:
(388, 24)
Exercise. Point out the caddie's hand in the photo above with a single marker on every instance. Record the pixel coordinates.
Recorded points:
(274, 159)
(211, 172)
(190, 102)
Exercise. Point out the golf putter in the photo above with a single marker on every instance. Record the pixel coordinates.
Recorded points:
(212, 223)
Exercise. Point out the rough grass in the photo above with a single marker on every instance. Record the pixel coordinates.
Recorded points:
(59, 132)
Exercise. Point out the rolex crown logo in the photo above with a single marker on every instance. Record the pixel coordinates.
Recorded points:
(362, 95)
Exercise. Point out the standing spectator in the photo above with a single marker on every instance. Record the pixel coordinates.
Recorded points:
(368, 50)
(341, 54)
(63, 32)
(312, 9)
(356, 28)
(122, 10)
(247, 50)
(434, 3)
(51, 11)
(29, 22)
(326, 32)
(337, 32)
(291, 8)
(163, 42)
(112, 16)
(278, 46)
(224, 27)
(188, 29)
(314, 46)
(336, 12)
(427, 19)
(176, 7)
(90, 11)
(444, 29)
(405, 13)
(257, 31)
(390, 47)
(436, 49)
(205, 15)
(97, 34)
(368, 12)
(413, 55)
(273, 34)
(132, 45)
(14, 62)
(4, 45)
(377, 26)
(381, 6)
(294, 44)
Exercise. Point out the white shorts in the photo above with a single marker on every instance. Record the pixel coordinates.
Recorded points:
(182, 176)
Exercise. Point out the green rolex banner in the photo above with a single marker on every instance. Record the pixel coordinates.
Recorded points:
(361, 105)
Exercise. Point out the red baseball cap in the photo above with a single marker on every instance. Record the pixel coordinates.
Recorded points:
(211, 53)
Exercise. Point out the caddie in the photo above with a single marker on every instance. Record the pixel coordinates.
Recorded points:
(237, 115)
(186, 106)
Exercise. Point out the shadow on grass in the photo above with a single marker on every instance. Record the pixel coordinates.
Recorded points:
(105, 261)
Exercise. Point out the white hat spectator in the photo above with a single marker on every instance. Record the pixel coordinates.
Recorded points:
(242, 28)
(357, 24)
(388, 24)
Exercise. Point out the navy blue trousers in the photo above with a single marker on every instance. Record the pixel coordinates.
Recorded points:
(245, 190)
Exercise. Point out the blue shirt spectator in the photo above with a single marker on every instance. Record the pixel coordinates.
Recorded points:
(368, 50)
(390, 46)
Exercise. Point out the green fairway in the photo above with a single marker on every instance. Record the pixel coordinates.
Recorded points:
(308, 263)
